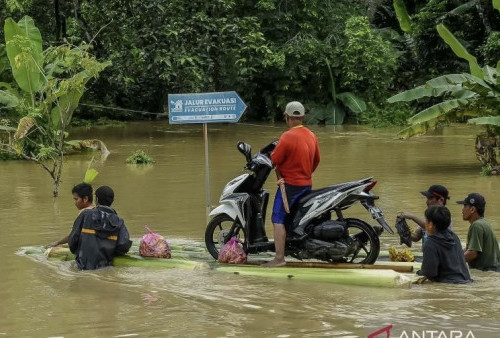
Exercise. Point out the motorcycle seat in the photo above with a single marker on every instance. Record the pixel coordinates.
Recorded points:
(337, 187)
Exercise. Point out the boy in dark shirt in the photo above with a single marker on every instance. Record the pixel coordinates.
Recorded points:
(82, 195)
(443, 255)
(99, 234)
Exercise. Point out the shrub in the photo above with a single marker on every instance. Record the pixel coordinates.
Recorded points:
(490, 51)
(370, 62)
(139, 157)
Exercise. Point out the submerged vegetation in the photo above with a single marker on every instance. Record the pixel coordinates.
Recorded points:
(139, 157)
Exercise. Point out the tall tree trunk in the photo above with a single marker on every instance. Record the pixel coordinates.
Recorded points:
(485, 11)
(58, 19)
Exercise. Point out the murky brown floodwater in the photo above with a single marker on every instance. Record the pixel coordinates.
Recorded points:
(53, 299)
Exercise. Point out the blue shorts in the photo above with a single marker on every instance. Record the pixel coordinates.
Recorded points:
(293, 193)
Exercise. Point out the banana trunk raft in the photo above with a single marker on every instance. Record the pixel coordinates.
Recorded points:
(381, 274)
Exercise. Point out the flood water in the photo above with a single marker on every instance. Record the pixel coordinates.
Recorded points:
(48, 299)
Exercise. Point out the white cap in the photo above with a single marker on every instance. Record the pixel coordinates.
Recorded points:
(295, 108)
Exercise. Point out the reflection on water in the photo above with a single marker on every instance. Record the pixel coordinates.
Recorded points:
(54, 299)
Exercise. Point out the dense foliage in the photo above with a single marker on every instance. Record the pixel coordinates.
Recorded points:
(46, 89)
(473, 96)
(269, 51)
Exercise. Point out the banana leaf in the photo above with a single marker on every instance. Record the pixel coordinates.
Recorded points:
(24, 126)
(7, 128)
(4, 60)
(7, 86)
(477, 85)
(402, 16)
(88, 144)
(351, 101)
(90, 175)
(456, 79)
(424, 91)
(496, 4)
(462, 9)
(62, 112)
(464, 94)
(24, 50)
(491, 75)
(8, 100)
(459, 50)
(418, 128)
(458, 85)
(437, 110)
(463, 80)
(331, 114)
(486, 120)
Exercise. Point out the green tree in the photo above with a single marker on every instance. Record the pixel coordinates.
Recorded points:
(334, 111)
(474, 96)
(369, 61)
(50, 84)
(174, 46)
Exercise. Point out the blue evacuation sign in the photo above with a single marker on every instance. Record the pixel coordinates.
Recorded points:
(205, 107)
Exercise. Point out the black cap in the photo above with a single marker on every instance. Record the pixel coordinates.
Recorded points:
(474, 199)
(436, 191)
(105, 195)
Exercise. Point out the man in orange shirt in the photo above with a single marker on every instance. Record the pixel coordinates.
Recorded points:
(295, 157)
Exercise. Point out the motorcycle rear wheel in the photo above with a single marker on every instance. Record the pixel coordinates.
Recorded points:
(218, 232)
(367, 239)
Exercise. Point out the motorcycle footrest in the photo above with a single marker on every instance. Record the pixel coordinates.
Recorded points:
(260, 247)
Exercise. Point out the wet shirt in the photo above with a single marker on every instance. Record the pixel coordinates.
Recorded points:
(296, 155)
(444, 259)
(482, 239)
(97, 236)
(424, 233)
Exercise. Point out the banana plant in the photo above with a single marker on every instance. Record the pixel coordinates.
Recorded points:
(402, 16)
(474, 96)
(334, 112)
(50, 84)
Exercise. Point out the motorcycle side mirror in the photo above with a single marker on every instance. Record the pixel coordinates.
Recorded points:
(245, 149)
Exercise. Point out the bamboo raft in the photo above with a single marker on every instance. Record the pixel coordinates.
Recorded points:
(380, 274)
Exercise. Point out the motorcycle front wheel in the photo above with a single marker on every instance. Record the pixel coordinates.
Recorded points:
(219, 231)
(365, 242)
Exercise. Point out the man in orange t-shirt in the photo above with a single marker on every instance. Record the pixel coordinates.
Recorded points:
(295, 157)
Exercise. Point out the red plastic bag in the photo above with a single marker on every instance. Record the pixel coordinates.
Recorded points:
(154, 245)
(232, 252)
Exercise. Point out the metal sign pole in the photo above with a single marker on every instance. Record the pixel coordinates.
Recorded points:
(207, 173)
(219, 107)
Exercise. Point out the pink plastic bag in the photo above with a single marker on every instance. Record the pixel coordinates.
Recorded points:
(154, 245)
(232, 253)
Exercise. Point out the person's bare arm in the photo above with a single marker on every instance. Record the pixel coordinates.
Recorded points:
(420, 221)
(417, 235)
(470, 255)
(63, 240)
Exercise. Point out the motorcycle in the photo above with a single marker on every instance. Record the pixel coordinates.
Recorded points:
(311, 231)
